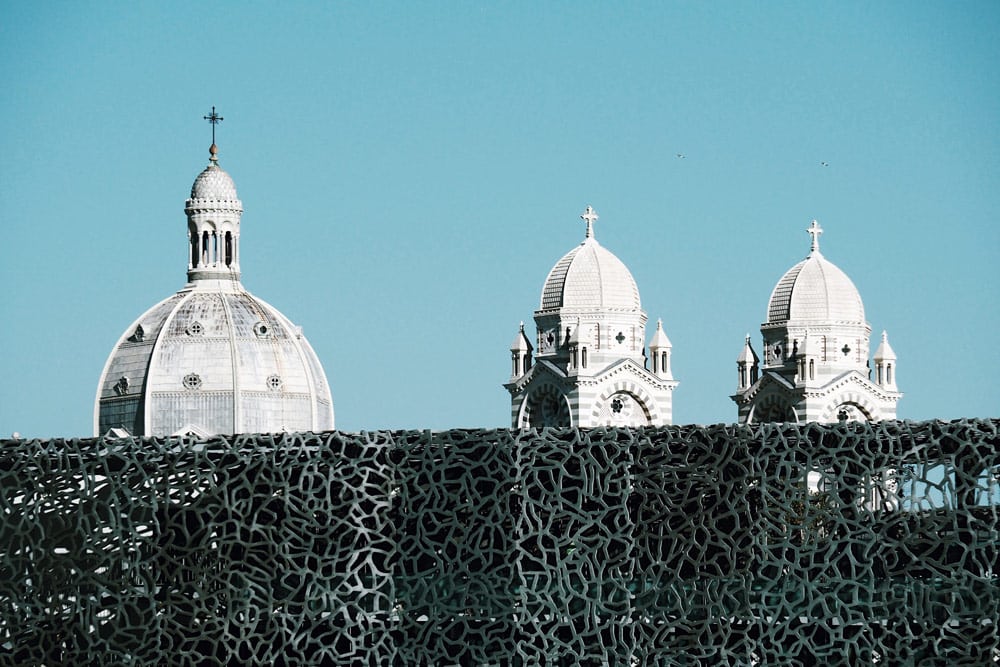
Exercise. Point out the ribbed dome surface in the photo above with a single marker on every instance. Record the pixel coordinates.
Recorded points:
(214, 183)
(589, 276)
(218, 359)
(815, 290)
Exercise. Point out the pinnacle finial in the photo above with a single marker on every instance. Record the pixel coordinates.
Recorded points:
(214, 119)
(590, 216)
(814, 230)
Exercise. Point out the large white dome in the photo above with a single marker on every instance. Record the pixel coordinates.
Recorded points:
(590, 276)
(213, 359)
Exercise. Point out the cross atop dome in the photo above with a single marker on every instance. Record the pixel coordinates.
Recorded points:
(214, 119)
(814, 230)
(590, 216)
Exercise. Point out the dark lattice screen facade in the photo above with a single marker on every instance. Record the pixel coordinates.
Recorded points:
(849, 544)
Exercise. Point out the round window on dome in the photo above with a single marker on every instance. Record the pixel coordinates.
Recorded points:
(192, 381)
(274, 383)
(195, 329)
(261, 329)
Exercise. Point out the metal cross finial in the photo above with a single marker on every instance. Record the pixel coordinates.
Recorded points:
(815, 230)
(214, 119)
(589, 216)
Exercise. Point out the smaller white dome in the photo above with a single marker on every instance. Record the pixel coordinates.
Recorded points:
(815, 290)
(590, 276)
(214, 184)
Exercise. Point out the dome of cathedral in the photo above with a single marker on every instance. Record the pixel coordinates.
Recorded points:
(590, 276)
(213, 360)
(815, 290)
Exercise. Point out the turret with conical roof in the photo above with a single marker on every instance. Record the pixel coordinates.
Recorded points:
(520, 353)
(659, 352)
(747, 366)
(885, 364)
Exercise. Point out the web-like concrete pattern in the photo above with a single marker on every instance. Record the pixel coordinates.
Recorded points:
(774, 545)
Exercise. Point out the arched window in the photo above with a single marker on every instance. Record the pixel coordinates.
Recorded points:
(583, 357)
(888, 373)
(812, 370)
(195, 253)
(229, 248)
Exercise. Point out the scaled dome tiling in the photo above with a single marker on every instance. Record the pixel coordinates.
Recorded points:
(590, 276)
(815, 289)
(214, 183)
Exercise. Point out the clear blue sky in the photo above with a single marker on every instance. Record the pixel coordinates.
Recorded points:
(411, 171)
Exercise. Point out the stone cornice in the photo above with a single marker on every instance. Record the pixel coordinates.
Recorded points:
(541, 366)
(767, 380)
(852, 378)
(628, 367)
(192, 206)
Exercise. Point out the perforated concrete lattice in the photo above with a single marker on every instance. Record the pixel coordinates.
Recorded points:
(848, 544)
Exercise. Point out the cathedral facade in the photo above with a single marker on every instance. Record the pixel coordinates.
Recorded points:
(588, 364)
(815, 365)
(212, 358)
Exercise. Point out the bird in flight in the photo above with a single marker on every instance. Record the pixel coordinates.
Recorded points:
(825, 164)
(681, 155)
